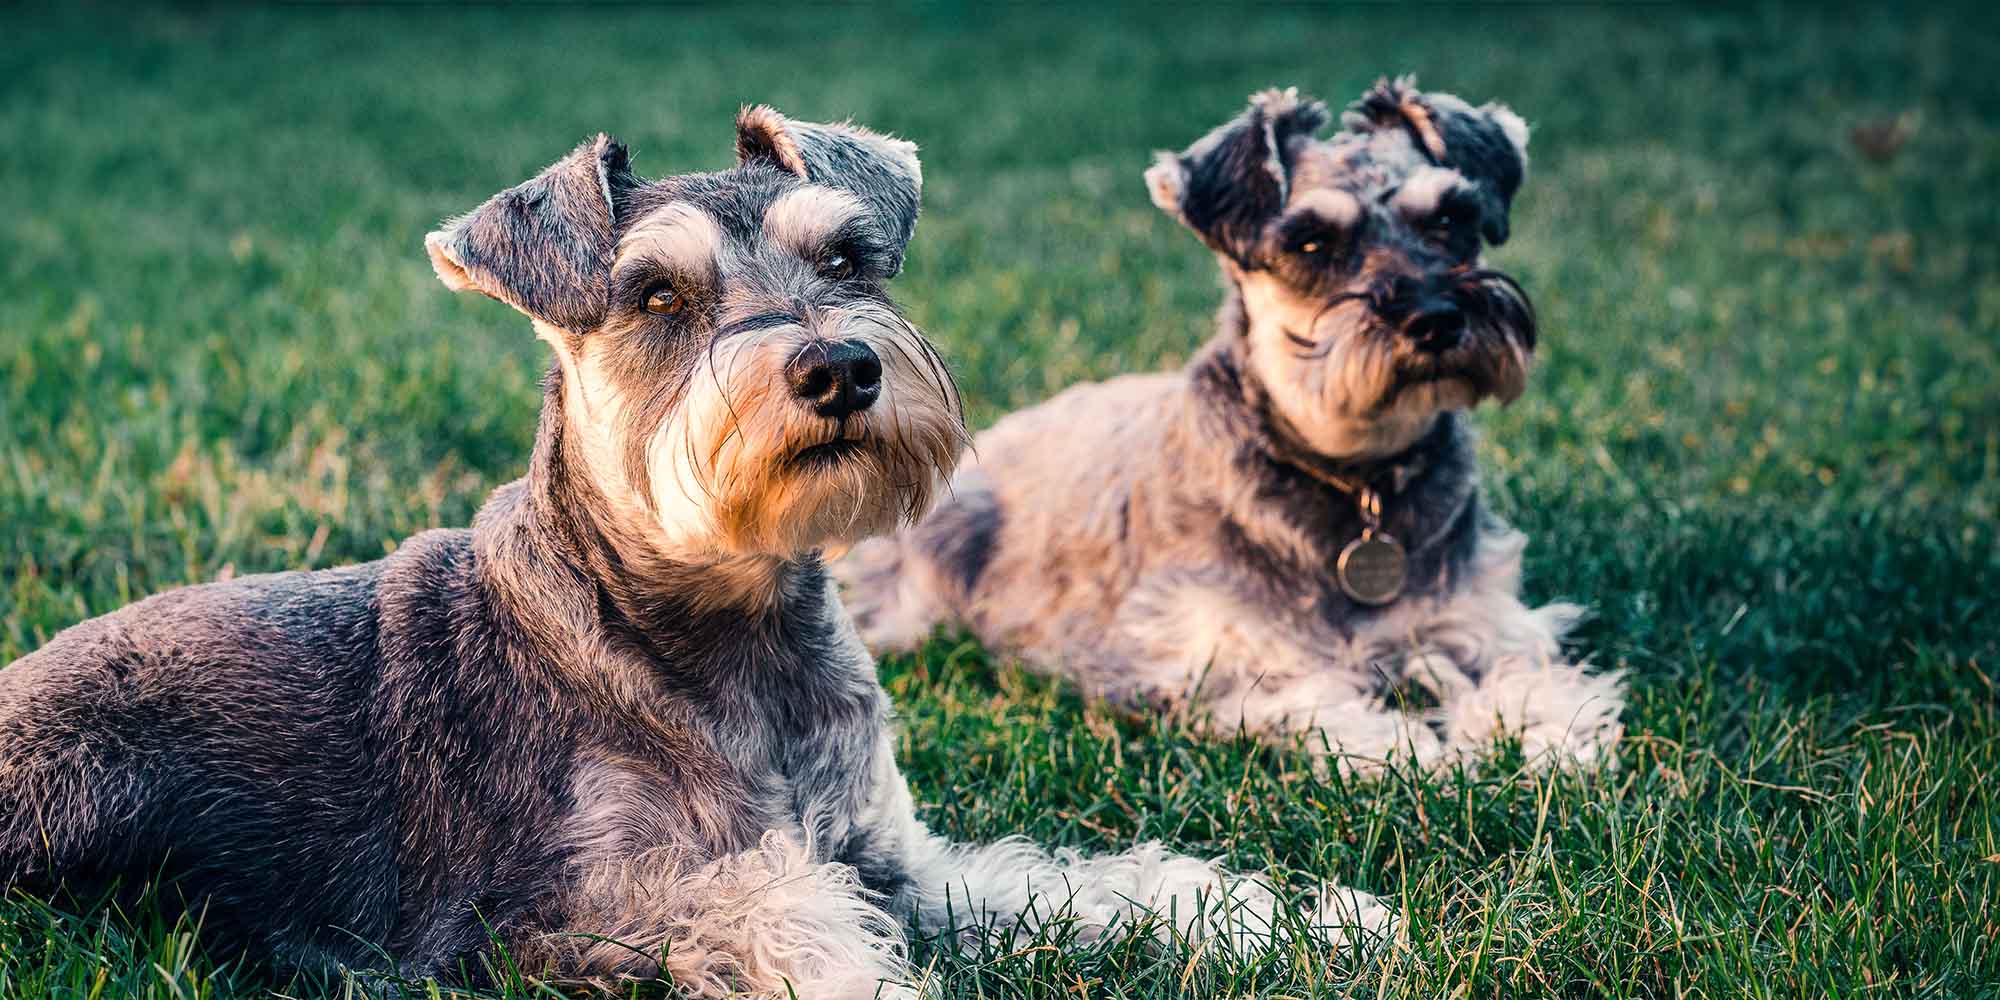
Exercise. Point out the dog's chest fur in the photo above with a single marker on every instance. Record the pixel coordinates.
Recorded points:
(1220, 513)
(541, 764)
(750, 745)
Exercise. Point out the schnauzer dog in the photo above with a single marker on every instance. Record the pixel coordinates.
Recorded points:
(622, 724)
(1287, 535)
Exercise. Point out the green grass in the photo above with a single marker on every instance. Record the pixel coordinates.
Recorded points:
(1763, 442)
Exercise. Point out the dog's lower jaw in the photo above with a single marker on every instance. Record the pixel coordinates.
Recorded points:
(788, 498)
(703, 546)
(1358, 439)
(1349, 389)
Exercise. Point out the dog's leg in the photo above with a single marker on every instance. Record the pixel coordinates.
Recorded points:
(65, 787)
(1497, 669)
(759, 923)
(1563, 714)
(1012, 882)
(976, 888)
(1357, 731)
(1245, 669)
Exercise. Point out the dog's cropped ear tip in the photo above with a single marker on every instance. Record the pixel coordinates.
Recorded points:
(612, 153)
(763, 134)
(759, 116)
(1274, 100)
(1511, 125)
(1166, 181)
(448, 269)
(894, 147)
(1293, 112)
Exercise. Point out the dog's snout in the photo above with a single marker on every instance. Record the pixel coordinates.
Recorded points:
(1436, 325)
(836, 379)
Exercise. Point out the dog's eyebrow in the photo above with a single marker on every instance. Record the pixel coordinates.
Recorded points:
(680, 237)
(1425, 190)
(805, 219)
(1330, 207)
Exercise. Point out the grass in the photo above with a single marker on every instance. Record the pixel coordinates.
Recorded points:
(1763, 442)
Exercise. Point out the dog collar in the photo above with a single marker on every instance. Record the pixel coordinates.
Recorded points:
(1399, 474)
(1372, 568)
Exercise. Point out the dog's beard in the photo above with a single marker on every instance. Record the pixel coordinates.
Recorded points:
(745, 468)
(1349, 384)
(1372, 369)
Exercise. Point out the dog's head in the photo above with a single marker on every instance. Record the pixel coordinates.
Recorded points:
(1357, 257)
(733, 368)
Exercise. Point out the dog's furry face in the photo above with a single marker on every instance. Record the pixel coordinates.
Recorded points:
(1357, 258)
(737, 377)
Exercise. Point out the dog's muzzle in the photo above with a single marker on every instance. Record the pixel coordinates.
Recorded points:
(1441, 312)
(1474, 324)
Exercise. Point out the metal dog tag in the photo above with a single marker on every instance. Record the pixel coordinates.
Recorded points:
(1372, 568)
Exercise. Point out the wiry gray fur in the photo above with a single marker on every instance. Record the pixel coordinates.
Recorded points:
(625, 703)
(883, 172)
(1173, 539)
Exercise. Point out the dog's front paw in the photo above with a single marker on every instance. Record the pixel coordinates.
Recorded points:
(1366, 740)
(1350, 917)
(1562, 714)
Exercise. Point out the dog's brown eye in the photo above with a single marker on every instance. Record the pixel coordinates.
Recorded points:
(664, 301)
(1314, 246)
(838, 266)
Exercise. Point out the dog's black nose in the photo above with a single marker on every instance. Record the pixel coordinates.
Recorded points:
(836, 378)
(1437, 326)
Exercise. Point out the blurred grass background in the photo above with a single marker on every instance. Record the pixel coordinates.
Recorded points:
(1763, 441)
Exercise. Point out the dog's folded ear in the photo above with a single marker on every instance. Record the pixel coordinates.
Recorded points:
(543, 246)
(880, 170)
(1488, 144)
(1235, 179)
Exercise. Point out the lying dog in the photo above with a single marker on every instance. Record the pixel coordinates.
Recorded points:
(1289, 530)
(622, 723)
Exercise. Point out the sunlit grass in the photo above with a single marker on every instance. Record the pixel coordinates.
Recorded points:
(1763, 442)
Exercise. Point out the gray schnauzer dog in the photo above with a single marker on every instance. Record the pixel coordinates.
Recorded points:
(1287, 535)
(622, 723)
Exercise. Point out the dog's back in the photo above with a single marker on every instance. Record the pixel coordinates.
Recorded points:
(310, 758)
(223, 719)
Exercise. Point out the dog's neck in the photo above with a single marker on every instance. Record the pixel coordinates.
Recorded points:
(554, 547)
(1224, 366)
(1428, 489)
